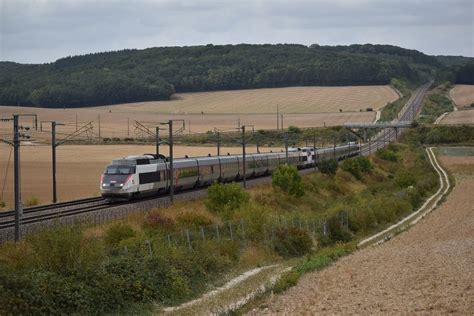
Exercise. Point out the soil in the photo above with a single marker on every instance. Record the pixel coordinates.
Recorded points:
(462, 95)
(459, 117)
(426, 270)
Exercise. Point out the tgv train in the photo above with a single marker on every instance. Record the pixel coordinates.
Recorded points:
(148, 174)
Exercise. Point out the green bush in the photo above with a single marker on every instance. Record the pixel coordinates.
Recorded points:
(2, 204)
(226, 198)
(292, 242)
(287, 178)
(356, 166)
(286, 280)
(336, 232)
(118, 232)
(328, 166)
(405, 178)
(387, 154)
(294, 129)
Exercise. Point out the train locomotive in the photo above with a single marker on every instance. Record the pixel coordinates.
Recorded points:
(148, 174)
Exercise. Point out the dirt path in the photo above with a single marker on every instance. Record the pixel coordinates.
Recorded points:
(428, 269)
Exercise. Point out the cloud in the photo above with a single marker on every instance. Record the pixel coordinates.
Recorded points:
(44, 30)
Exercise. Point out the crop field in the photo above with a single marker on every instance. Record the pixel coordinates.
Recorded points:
(462, 95)
(300, 106)
(459, 117)
(78, 167)
(289, 100)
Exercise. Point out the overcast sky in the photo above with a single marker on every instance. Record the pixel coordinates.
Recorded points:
(37, 31)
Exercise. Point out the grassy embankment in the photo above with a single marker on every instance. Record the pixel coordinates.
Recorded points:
(436, 103)
(131, 263)
(391, 110)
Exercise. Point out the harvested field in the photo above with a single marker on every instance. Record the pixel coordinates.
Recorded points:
(426, 270)
(78, 167)
(462, 95)
(459, 117)
(122, 124)
(290, 100)
(301, 106)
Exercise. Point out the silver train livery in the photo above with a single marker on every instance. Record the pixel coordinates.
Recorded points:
(144, 175)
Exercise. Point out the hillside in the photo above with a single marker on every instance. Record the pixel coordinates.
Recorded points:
(157, 73)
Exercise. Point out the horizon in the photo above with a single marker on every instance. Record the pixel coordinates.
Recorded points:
(197, 45)
(33, 32)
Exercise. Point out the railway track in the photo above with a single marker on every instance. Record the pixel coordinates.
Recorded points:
(50, 212)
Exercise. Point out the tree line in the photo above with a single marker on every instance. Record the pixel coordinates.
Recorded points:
(157, 73)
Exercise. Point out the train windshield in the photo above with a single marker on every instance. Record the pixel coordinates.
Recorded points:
(117, 170)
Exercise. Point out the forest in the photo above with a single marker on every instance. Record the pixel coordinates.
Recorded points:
(157, 73)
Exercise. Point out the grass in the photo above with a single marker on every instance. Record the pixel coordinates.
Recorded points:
(436, 103)
(391, 110)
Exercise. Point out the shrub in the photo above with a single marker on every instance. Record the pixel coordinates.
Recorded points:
(292, 242)
(32, 201)
(118, 232)
(286, 280)
(226, 198)
(387, 154)
(287, 178)
(404, 179)
(294, 129)
(356, 166)
(328, 166)
(336, 232)
(2, 203)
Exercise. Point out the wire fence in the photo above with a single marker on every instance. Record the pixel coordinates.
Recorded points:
(243, 232)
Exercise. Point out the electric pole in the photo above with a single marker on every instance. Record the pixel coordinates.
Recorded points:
(170, 123)
(243, 157)
(278, 118)
(286, 148)
(16, 158)
(53, 151)
(170, 144)
(157, 140)
(218, 143)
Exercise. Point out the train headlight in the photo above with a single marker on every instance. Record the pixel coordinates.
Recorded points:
(121, 184)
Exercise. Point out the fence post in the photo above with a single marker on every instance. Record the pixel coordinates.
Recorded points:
(189, 239)
(243, 229)
(217, 232)
(230, 229)
(169, 240)
(148, 243)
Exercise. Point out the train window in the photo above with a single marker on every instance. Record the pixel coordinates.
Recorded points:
(120, 170)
